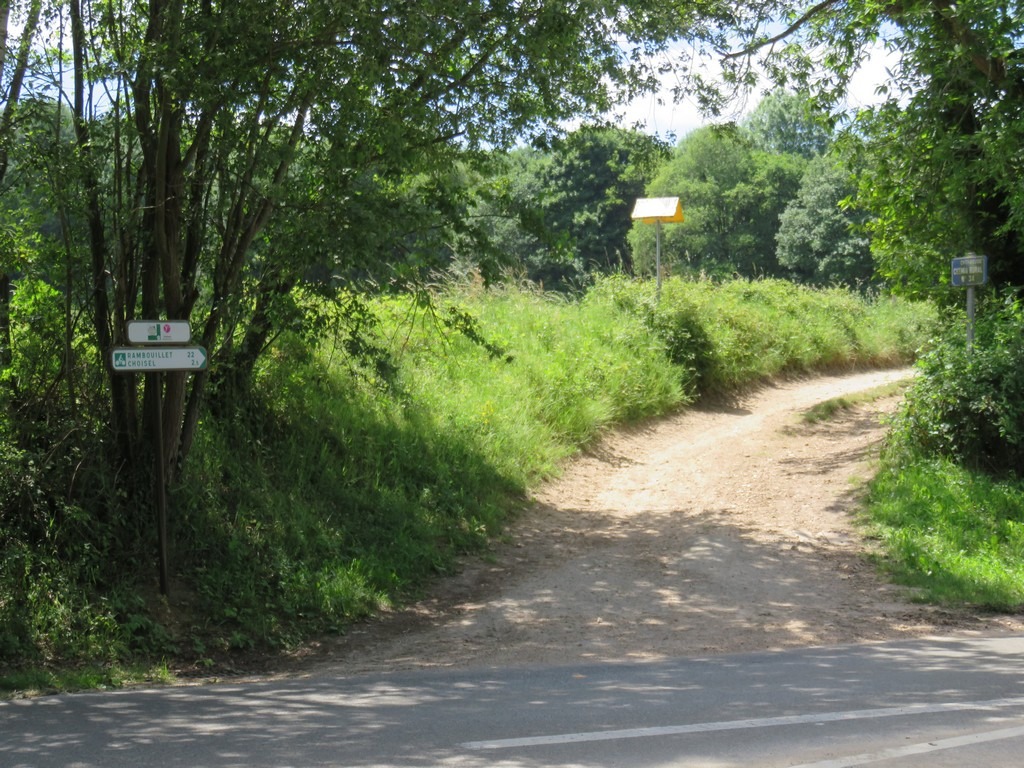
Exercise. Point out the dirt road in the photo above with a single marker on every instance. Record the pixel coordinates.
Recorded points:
(721, 529)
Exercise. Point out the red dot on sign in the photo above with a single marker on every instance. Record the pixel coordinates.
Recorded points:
(167, 328)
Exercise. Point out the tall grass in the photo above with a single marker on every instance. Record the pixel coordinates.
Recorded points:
(566, 371)
(348, 481)
(741, 332)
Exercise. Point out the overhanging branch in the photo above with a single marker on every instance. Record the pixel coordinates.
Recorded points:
(791, 29)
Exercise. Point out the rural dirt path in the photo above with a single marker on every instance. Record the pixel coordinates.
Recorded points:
(721, 529)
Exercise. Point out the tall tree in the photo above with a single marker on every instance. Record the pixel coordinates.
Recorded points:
(785, 123)
(210, 109)
(595, 177)
(818, 239)
(514, 204)
(19, 27)
(563, 213)
(944, 146)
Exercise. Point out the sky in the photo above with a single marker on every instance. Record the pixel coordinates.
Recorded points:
(657, 114)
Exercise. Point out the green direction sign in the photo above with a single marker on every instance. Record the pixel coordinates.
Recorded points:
(159, 332)
(151, 360)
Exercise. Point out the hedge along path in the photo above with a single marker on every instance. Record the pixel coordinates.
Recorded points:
(721, 529)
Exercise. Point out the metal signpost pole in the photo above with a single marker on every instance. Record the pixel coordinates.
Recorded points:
(152, 358)
(655, 210)
(970, 320)
(657, 254)
(967, 272)
(156, 380)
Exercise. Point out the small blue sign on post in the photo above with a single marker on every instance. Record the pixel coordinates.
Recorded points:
(970, 270)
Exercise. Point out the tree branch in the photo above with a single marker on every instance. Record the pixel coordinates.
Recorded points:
(791, 29)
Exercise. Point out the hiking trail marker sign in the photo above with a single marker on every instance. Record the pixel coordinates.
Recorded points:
(159, 332)
(159, 349)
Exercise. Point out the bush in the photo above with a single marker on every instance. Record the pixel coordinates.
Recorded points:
(674, 319)
(727, 336)
(970, 407)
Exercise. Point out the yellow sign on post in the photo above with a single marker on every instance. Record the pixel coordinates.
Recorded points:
(656, 211)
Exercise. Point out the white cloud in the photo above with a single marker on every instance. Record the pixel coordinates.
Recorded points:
(659, 113)
(873, 73)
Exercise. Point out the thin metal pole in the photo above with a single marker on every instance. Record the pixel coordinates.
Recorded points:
(161, 480)
(657, 254)
(970, 319)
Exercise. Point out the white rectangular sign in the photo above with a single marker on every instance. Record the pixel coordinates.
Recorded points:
(652, 209)
(152, 359)
(159, 332)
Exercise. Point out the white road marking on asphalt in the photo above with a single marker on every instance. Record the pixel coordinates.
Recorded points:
(917, 749)
(733, 725)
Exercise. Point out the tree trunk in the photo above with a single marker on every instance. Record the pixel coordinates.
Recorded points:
(5, 320)
(235, 380)
(13, 97)
(124, 421)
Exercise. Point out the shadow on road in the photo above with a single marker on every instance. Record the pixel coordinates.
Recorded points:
(422, 718)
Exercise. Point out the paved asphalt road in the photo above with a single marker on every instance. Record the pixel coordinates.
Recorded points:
(942, 702)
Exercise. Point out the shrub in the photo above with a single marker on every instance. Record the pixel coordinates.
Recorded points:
(970, 406)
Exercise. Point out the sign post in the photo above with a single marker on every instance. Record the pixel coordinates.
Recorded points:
(967, 272)
(153, 359)
(658, 210)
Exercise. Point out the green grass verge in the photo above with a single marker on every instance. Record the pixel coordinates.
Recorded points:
(954, 535)
(828, 409)
(40, 682)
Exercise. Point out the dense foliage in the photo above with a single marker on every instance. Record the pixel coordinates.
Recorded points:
(733, 195)
(757, 201)
(940, 153)
(969, 405)
(949, 502)
(562, 215)
(820, 240)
